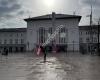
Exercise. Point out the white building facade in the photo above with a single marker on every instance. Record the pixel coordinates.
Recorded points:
(13, 39)
(40, 28)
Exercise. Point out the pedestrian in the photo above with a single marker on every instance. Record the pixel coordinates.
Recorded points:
(6, 52)
(44, 52)
(3, 51)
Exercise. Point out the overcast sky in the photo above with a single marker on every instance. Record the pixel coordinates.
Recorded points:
(12, 12)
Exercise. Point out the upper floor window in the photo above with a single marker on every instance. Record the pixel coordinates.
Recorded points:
(62, 29)
(62, 35)
(17, 34)
(10, 41)
(21, 34)
(81, 40)
(16, 41)
(50, 30)
(10, 35)
(87, 40)
(5, 41)
(22, 41)
(80, 33)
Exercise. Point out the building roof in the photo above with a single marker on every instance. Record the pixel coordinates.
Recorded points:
(13, 30)
(88, 27)
(49, 16)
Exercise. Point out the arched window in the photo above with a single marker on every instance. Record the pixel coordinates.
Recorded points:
(50, 30)
(62, 35)
(41, 35)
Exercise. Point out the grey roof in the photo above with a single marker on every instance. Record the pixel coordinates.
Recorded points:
(88, 27)
(49, 16)
(13, 30)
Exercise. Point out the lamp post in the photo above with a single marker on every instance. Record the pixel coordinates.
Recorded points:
(73, 46)
(91, 32)
(28, 46)
(98, 36)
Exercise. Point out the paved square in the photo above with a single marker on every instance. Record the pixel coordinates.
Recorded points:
(26, 66)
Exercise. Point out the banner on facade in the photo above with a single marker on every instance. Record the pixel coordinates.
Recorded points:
(53, 35)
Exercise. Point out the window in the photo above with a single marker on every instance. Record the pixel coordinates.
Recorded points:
(22, 41)
(95, 40)
(16, 41)
(80, 33)
(0, 41)
(50, 30)
(95, 33)
(62, 35)
(31, 31)
(10, 41)
(21, 34)
(87, 40)
(86, 32)
(17, 34)
(62, 40)
(5, 41)
(10, 35)
(41, 35)
(81, 40)
(62, 30)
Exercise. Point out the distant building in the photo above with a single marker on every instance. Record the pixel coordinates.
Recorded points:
(13, 39)
(41, 27)
(86, 38)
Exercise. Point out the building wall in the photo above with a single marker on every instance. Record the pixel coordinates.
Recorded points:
(84, 34)
(12, 40)
(85, 37)
(71, 26)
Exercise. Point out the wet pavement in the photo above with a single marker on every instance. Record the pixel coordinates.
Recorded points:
(72, 66)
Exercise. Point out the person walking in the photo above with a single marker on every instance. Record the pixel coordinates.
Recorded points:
(44, 52)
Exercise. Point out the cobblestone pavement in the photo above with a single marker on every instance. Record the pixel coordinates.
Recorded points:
(72, 66)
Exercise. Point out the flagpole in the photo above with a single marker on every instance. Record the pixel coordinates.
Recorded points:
(91, 32)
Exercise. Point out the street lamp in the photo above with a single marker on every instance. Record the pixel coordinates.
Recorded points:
(73, 45)
(98, 36)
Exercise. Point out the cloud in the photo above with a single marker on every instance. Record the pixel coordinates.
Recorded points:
(8, 6)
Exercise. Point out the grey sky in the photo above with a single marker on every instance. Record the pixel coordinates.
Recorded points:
(12, 12)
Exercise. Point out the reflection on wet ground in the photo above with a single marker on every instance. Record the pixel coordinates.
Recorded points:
(73, 66)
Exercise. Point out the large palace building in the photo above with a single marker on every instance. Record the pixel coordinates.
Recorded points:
(40, 28)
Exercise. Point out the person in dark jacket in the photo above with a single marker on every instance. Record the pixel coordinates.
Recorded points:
(44, 52)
